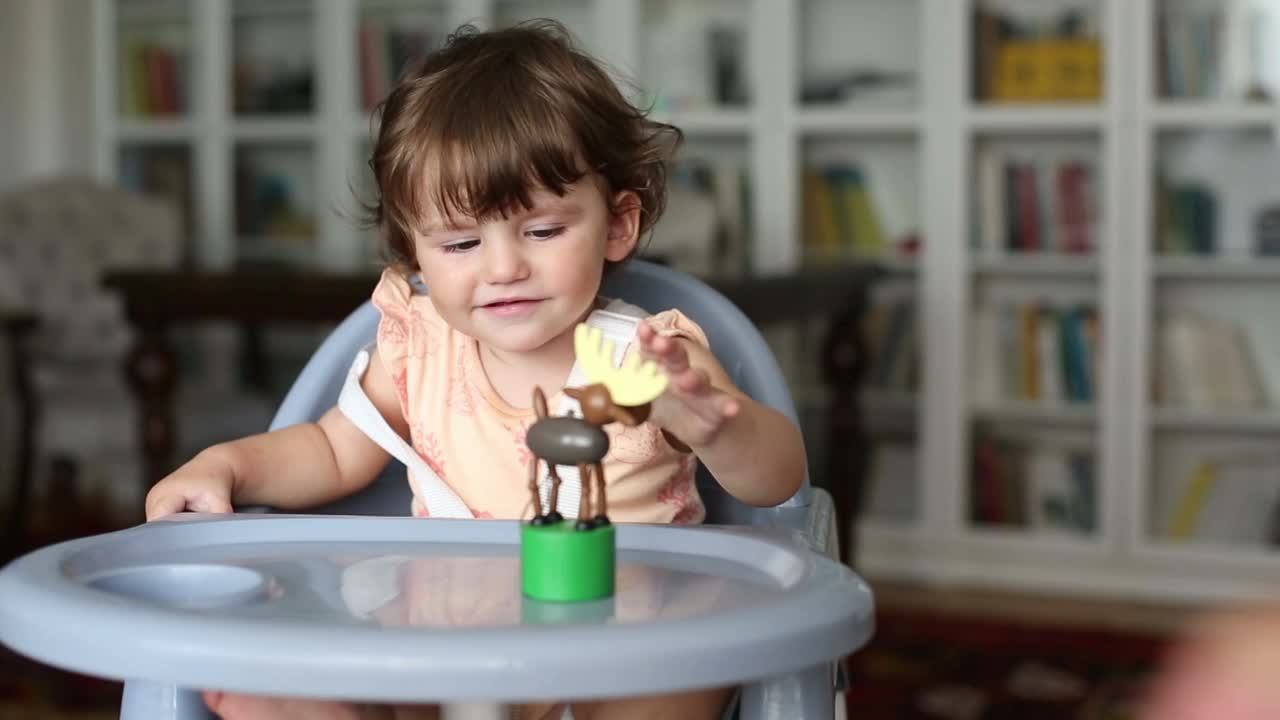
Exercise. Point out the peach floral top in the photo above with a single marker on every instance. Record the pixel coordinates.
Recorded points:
(474, 440)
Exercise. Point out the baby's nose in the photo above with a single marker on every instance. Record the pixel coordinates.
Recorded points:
(506, 262)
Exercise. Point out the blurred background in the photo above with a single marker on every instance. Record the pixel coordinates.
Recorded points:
(1054, 227)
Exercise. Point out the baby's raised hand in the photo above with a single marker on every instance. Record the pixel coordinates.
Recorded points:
(691, 408)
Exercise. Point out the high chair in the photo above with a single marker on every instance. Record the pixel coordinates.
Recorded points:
(397, 609)
(736, 343)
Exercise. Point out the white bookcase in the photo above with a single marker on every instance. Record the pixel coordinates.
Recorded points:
(940, 165)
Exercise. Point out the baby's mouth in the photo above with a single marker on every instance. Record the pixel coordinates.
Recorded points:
(512, 306)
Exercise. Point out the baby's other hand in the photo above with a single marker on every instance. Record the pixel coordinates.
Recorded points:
(1223, 667)
(202, 485)
(692, 409)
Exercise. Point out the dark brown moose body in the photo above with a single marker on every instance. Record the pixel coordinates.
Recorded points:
(567, 441)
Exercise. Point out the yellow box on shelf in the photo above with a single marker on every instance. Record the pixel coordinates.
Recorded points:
(1046, 70)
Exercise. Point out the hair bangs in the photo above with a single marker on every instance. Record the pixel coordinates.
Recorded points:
(489, 164)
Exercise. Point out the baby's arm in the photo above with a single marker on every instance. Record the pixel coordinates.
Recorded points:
(294, 467)
(754, 451)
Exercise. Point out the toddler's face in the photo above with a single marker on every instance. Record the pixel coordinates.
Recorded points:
(516, 284)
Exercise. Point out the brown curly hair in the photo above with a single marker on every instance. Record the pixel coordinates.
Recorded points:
(492, 116)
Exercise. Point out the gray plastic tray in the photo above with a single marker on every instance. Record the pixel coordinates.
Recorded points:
(404, 609)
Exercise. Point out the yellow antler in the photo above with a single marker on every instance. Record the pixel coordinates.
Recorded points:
(635, 383)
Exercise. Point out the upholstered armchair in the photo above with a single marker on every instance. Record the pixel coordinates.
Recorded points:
(57, 239)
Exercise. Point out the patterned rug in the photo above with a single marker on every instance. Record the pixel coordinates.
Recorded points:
(947, 667)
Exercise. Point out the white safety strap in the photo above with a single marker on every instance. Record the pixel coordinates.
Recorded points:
(440, 499)
(618, 321)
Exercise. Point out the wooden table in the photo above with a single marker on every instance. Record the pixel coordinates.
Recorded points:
(157, 300)
(17, 326)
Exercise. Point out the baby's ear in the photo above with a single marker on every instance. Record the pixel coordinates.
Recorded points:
(624, 226)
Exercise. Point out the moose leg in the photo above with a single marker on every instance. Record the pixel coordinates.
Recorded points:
(602, 518)
(553, 515)
(538, 518)
(584, 499)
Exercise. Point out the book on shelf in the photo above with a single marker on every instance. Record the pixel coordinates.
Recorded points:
(271, 224)
(842, 218)
(1229, 500)
(262, 88)
(1043, 486)
(1206, 364)
(385, 52)
(1018, 59)
(1186, 219)
(153, 79)
(893, 344)
(1189, 51)
(1035, 352)
(1035, 201)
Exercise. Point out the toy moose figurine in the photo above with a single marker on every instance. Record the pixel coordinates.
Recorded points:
(615, 395)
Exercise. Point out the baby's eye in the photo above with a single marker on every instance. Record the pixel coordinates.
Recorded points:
(545, 233)
(460, 246)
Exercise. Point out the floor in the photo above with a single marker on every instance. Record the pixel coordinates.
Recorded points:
(16, 712)
(966, 601)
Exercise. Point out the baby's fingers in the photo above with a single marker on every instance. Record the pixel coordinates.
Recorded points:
(209, 503)
(719, 406)
(667, 351)
(671, 355)
(159, 506)
(162, 505)
(730, 406)
(692, 382)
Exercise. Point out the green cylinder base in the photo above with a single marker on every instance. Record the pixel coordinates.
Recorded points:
(561, 564)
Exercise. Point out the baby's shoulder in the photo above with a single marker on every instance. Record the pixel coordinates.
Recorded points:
(403, 296)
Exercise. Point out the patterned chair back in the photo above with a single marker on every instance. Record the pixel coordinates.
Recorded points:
(57, 238)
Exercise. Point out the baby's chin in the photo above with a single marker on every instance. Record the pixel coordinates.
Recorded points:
(517, 343)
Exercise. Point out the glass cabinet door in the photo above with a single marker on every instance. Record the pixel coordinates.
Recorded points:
(1036, 333)
(273, 57)
(1036, 52)
(390, 35)
(860, 54)
(1216, 50)
(694, 54)
(154, 58)
(1215, 346)
(275, 213)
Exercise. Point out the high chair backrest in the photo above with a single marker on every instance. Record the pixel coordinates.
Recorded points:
(735, 341)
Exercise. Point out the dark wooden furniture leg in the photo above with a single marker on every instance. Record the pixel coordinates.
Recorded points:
(17, 329)
(151, 370)
(844, 365)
